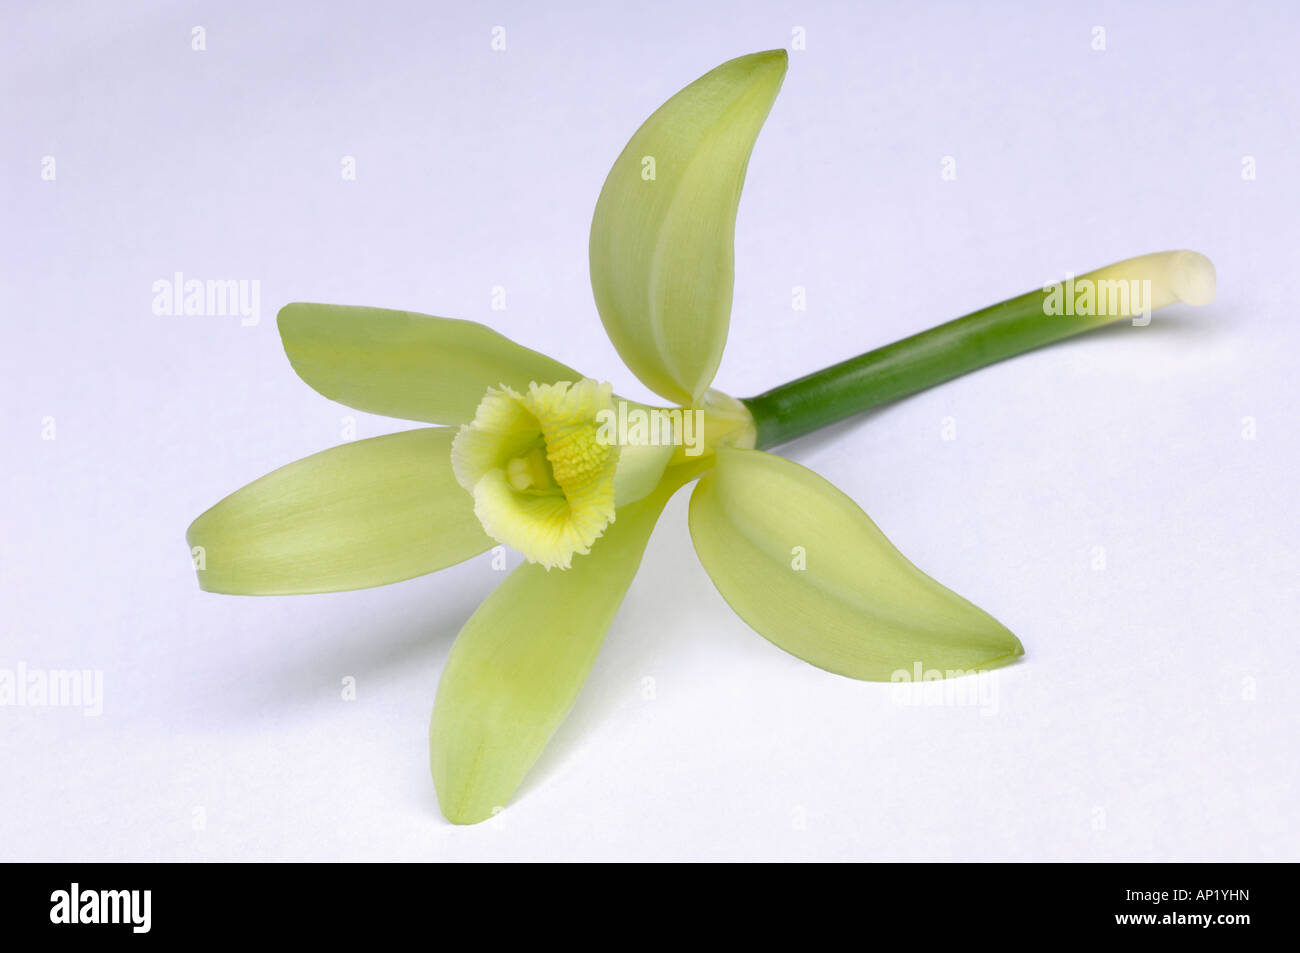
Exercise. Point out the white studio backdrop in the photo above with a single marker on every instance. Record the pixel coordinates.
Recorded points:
(1124, 502)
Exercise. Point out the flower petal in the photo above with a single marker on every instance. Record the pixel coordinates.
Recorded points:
(403, 364)
(362, 514)
(640, 468)
(540, 470)
(518, 664)
(801, 563)
(662, 238)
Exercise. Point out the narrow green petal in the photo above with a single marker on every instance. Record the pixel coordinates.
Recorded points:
(662, 238)
(801, 563)
(518, 664)
(403, 364)
(363, 514)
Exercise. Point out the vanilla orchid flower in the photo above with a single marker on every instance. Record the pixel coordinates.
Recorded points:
(523, 452)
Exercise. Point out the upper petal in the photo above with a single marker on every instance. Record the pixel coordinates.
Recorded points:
(804, 565)
(662, 238)
(362, 514)
(404, 364)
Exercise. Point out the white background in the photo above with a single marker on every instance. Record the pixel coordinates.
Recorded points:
(1154, 716)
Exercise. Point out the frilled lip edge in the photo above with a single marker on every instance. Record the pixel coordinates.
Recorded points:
(552, 524)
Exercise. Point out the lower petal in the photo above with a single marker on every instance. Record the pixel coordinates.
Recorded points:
(362, 514)
(519, 663)
(801, 563)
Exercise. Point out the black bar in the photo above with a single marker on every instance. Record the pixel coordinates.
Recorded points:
(331, 903)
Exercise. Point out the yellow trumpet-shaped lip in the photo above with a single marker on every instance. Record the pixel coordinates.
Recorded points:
(541, 477)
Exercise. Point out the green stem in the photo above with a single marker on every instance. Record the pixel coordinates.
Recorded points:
(905, 367)
(968, 343)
